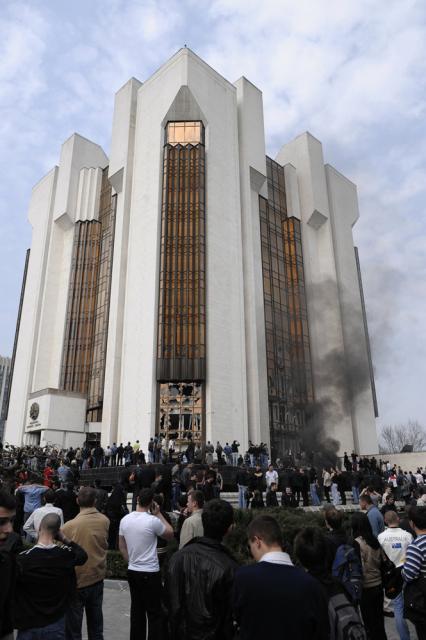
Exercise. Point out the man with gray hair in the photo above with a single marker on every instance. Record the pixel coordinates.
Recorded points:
(46, 581)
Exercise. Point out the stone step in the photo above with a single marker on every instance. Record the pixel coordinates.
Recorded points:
(232, 498)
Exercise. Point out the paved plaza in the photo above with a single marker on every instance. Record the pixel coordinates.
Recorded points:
(117, 614)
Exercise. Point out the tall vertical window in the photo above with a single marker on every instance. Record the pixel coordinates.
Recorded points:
(181, 345)
(107, 209)
(84, 353)
(77, 355)
(286, 324)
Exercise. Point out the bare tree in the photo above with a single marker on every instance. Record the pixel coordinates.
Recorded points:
(394, 437)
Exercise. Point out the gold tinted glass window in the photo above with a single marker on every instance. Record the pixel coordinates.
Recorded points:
(181, 350)
(84, 351)
(181, 342)
(100, 329)
(287, 335)
(184, 133)
(77, 354)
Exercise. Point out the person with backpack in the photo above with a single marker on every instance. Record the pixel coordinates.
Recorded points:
(346, 565)
(414, 573)
(369, 551)
(311, 549)
(394, 542)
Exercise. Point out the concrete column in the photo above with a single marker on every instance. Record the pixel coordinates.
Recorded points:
(120, 176)
(251, 140)
(40, 218)
(325, 322)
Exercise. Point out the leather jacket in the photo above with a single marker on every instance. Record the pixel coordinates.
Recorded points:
(199, 586)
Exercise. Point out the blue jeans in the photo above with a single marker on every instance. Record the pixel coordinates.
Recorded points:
(241, 496)
(314, 496)
(176, 494)
(355, 495)
(55, 630)
(401, 623)
(89, 599)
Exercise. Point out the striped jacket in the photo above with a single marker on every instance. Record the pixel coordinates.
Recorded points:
(415, 561)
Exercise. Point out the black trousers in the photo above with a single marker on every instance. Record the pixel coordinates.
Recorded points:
(114, 526)
(421, 630)
(145, 594)
(372, 612)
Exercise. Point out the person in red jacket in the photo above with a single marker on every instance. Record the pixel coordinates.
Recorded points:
(47, 476)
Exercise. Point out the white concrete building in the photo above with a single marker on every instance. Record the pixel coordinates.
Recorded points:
(189, 284)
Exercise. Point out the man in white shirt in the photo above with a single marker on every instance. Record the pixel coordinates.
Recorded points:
(419, 478)
(394, 542)
(32, 525)
(193, 526)
(271, 476)
(108, 454)
(138, 545)
(421, 500)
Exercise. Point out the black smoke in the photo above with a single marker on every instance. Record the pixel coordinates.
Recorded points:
(343, 373)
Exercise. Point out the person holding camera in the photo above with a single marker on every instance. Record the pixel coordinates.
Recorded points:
(137, 541)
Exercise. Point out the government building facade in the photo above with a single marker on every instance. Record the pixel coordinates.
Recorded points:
(188, 284)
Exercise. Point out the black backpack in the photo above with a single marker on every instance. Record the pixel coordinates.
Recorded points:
(347, 568)
(345, 623)
(415, 600)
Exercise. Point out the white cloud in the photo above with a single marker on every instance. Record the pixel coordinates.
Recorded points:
(353, 73)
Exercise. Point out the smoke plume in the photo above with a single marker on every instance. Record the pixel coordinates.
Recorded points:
(342, 374)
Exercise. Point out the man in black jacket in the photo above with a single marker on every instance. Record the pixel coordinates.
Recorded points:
(200, 580)
(46, 581)
(66, 499)
(10, 544)
(272, 598)
(271, 495)
(144, 476)
(242, 480)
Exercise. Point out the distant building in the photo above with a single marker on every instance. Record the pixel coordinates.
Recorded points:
(4, 391)
(189, 284)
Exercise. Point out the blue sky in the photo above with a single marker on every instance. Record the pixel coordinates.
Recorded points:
(353, 73)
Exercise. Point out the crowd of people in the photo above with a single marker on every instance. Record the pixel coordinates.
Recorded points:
(329, 585)
(183, 581)
(160, 450)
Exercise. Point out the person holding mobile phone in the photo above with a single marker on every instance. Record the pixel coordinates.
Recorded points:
(46, 582)
(137, 542)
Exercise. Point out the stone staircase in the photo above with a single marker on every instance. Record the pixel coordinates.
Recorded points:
(232, 498)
